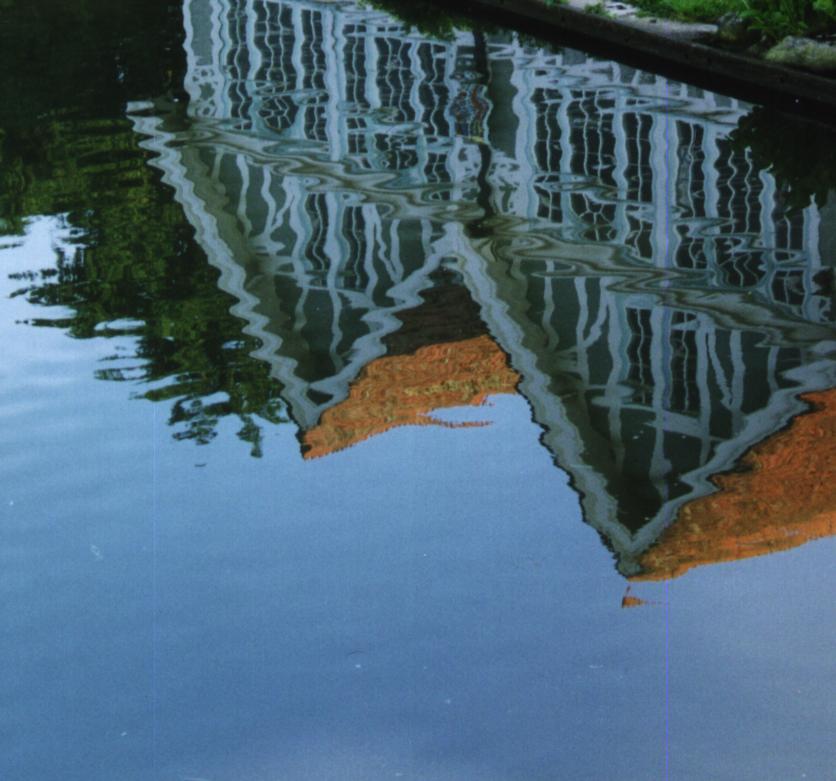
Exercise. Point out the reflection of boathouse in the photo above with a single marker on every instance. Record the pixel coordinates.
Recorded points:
(637, 269)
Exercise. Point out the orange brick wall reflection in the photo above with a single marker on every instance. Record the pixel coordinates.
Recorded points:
(402, 390)
(786, 497)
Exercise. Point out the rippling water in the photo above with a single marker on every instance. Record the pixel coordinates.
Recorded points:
(382, 405)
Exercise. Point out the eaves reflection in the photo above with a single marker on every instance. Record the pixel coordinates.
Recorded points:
(785, 496)
(659, 309)
(441, 357)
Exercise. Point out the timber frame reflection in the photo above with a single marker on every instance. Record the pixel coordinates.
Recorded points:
(660, 307)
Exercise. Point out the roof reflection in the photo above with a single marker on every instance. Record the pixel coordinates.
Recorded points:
(428, 367)
(782, 496)
(636, 275)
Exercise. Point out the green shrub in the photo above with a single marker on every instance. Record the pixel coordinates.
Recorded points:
(777, 18)
(773, 18)
(689, 10)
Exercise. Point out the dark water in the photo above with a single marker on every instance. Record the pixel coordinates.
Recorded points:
(352, 373)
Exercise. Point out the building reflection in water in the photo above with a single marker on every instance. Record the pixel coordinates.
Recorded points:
(408, 224)
(784, 497)
(441, 357)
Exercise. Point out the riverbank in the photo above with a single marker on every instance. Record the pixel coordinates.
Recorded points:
(692, 48)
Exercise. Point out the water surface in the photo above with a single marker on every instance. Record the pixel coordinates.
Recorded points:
(356, 381)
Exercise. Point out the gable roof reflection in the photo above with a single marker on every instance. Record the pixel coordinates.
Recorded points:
(404, 390)
(641, 402)
(782, 496)
(440, 357)
(318, 278)
(658, 306)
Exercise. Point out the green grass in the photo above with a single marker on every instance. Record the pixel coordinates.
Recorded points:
(774, 19)
(689, 10)
(597, 9)
(777, 18)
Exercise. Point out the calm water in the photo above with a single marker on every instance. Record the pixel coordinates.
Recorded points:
(363, 396)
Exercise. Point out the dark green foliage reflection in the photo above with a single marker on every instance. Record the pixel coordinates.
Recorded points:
(66, 148)
(135, 261)
(800, 155)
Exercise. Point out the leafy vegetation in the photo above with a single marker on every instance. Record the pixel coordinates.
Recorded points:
(804, 169)
(778, 18)
(688, 10)
(597, 9)
(432, 19)
(85, 55)
(773, 19)
(424, 16)
(768, 20)
(66, 149)
(136, 261)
